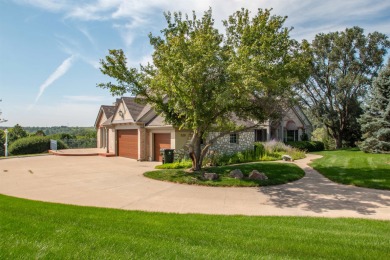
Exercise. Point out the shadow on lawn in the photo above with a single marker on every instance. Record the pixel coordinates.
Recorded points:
(317, 194)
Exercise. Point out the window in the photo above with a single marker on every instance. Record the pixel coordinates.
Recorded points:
(292, 135)
(233, 138)
(260, 135)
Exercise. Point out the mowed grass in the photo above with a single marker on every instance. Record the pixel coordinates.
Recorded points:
(38, 230)
(277, 173)
(355, 168)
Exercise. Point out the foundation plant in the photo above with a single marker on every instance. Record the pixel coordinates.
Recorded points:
(267, 151)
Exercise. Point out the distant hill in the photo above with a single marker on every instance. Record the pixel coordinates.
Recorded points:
(73, 130)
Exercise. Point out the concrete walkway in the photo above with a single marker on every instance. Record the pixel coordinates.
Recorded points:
(118, 183)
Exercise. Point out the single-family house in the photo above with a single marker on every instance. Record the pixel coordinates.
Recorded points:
(136, 131)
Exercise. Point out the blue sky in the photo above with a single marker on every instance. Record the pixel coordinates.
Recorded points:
(50, 49)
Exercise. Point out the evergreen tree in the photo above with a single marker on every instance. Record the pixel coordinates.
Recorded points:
(375, 121)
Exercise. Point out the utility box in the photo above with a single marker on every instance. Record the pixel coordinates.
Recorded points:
(168, 155)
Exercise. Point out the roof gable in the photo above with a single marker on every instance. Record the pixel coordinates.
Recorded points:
(134, 108)
(122, 113)
(104, 113)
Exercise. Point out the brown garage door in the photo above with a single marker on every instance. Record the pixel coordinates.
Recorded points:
(161, 141)
(128, 143)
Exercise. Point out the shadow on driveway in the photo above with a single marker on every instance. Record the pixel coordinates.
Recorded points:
(317, 194)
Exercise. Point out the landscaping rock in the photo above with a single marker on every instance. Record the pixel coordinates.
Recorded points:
(287, 158)
(237, 174)
(210, 176)
(256, 175)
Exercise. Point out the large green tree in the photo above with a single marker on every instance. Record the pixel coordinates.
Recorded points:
(200, 79)
(343, 66)
(376, 118)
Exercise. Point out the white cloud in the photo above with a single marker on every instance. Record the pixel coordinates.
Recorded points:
(309, 17)
(95, 10)
(58, 73)
(50, 5)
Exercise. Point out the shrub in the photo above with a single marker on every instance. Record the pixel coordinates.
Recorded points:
(33, 145)
(308, 146)
(269, 151)
(304, 137)
(176, 165)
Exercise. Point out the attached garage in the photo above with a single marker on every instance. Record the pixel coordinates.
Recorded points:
(127, 141)
(161, 141)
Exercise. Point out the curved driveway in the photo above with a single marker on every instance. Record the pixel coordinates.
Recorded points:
(117, 182)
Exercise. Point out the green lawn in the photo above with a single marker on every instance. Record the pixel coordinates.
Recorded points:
(37, 230)
(355, 168)
(277, 173)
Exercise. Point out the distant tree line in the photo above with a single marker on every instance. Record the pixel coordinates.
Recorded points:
(74, 137)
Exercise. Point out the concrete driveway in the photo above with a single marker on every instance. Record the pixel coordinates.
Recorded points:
(118, 183)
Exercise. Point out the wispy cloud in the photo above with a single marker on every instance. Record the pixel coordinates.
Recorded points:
(50, 5)
(88, 35)
(58, 73)
(133, 19)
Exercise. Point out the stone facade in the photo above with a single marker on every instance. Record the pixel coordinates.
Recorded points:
(245, 141)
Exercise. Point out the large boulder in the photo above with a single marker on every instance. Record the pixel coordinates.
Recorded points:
(287, 158)
(256, 175)
(210, 176)
(236, 174)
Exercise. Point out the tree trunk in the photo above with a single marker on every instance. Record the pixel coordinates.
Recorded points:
(339, 141)
(195, 151)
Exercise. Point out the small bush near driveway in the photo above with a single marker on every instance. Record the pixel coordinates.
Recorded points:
(33, 145)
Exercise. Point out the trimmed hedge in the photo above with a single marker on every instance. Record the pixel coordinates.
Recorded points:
(308, 146)
(33, 145)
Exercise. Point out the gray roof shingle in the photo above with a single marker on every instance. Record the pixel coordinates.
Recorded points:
(134, 108)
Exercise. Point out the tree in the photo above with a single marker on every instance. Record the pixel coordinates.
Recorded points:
(2, 142)
(2, 119)
(40, 133)
(16, 132)
(201, 79)
(375, 121)
(343, 65)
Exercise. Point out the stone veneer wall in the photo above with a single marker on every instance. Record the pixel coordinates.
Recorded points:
(223, 145)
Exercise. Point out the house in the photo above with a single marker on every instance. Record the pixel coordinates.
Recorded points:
(136, 131)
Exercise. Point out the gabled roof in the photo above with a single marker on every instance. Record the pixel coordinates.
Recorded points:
(108, 121)
(302, 116)
(134, 108)
(146, 114)
(156, 121)
(108, 111)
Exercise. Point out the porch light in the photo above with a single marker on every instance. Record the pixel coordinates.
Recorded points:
(121, 114)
